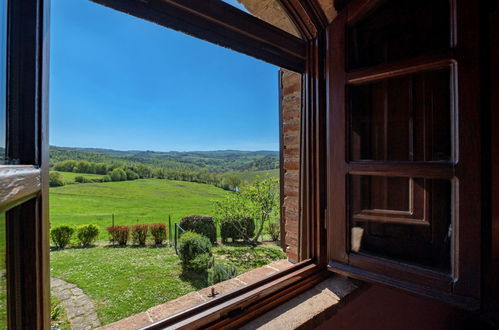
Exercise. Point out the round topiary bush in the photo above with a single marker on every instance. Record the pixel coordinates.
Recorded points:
(61, 235)
(201, 224)
(237, 229)
(195, 251)
(87, 234)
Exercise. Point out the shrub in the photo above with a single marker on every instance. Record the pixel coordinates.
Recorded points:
(131, 175)
(82, 179)
(87, 234)
(194, 251)
(139, 234)
(119, 234)
(274, 230)
(237, 229)
(220, 272)
(117, 175)
(158, 232)
(61, 235)
(201, 224)
(55, 179)
(106, 178)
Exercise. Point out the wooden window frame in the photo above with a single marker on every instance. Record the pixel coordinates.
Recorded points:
(24, 183)
(462, 286)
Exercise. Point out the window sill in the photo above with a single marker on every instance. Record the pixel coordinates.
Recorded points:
(309, 309)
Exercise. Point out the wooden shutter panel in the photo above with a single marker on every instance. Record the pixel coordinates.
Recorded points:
(404, 146)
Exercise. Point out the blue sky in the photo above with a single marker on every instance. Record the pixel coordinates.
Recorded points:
(123, 83)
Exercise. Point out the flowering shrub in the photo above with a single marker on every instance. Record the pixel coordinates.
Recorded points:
(139, 234)
(158, 232)
(119, 234)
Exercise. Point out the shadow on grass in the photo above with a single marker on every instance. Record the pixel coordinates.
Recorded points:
(197, 280)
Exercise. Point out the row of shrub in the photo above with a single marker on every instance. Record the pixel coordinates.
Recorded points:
(195, 252)
(85, 235)
(138, 234)
(234, 229)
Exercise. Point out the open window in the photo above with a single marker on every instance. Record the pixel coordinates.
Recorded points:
(404, 183)
(24, 178)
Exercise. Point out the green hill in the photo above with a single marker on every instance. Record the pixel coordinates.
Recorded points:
(138, 201)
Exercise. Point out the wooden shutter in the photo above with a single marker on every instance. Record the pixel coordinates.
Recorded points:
(404, 146)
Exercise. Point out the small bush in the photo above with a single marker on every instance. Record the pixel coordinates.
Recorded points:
(55, 179)
(201, 263)
(82, 179)
(131, 175)
(119, 234)
(118, 174)
(194, 251)
(274, 230)
(106, 178)
(158, 232)
(87, 234)
(201, 224)
(61, 235)
(237, 229)
(139, 234)
(220, 272)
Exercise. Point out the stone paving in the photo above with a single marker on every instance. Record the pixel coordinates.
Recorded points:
(79, 308)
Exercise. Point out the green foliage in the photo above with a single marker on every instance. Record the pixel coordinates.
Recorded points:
(258, 201)
(201, 224)
(194, 251)
(237, 228)
(274, 230)
(55, 179)
(158, 232)
(220, 272)
(106, 178)
(61, 235)
(82, 179)
(118, 174)
(119, 234)
(230, 182)
(139, 234)
(87, 234)
(131, 175)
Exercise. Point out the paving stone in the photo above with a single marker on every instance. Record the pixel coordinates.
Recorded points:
(256, 274)
(221, 288)
(130, 323)
(164, 310)
(79, 308)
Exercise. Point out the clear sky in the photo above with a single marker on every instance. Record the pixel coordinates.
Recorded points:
(123, 83)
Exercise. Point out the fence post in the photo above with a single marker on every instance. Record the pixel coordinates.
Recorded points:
(170, 229)
(175, 238)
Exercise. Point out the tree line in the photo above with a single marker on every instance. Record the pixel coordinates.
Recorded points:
(134, 171)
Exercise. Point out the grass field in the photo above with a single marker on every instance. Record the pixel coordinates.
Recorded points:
(129, 280)
(69, 177)
(251, 175)
(138, 201)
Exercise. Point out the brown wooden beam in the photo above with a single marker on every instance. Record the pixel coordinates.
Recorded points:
(222, 24)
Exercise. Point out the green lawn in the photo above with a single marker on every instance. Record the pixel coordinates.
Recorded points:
(129, 280)
(251, 175)
(139, 201)
(69, 177)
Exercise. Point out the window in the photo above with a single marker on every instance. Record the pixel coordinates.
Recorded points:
(27, 144)
(403, 205)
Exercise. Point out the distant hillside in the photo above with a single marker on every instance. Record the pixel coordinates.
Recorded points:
(217, 161)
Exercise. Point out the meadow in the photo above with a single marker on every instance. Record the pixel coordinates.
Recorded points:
(131, 202)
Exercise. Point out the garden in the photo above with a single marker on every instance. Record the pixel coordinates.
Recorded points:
(145, 264)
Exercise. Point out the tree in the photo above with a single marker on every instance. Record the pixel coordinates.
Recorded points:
(231, 182)
(131, 175)
(117, 174)
(259, 201)
(55, 179)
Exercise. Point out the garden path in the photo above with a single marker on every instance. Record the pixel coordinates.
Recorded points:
(79, 308)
